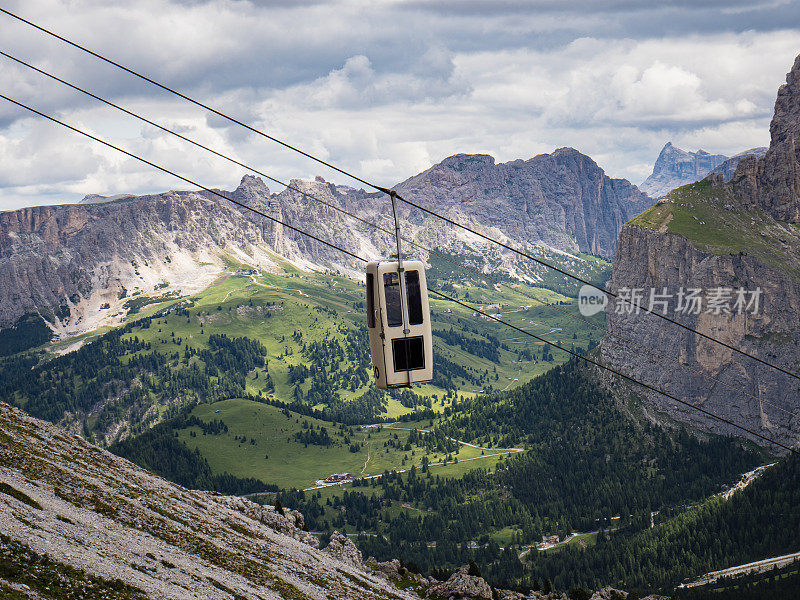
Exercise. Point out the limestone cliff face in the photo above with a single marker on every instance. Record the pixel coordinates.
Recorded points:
(734, 235)
(708, 374)
(563, 199)
(773, 182)
(79, 266)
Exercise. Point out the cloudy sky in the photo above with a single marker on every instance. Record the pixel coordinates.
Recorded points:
(384, 88)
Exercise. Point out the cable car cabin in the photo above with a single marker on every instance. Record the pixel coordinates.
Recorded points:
(399, 324)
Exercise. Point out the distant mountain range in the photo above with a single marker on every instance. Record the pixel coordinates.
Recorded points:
(81, 266)
(675, 167)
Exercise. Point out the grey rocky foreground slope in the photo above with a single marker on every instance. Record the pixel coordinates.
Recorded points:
(744, 237)
(78, 266)
(91, 510)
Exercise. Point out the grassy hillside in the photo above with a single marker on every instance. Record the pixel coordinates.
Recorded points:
(282, 447)
(588, 466)
(714, 223)
(309, 334)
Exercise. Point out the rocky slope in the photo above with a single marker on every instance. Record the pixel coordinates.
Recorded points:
(711, 235)
(76, 267)
(99, 518)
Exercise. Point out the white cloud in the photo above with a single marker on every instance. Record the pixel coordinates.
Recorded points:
(383, 89)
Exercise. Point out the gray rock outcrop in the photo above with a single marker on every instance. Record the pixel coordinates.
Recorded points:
(290, 523)
(390, 569)
(461, 585)
(342, 548)
(728, 167)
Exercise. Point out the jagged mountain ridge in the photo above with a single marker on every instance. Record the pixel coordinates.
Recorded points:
(675, 167)
(563, 199)
(82, 266)
(735, 235)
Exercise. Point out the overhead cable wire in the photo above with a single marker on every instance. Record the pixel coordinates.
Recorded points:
(181, 177)
(614, 371)
(440, 294)
(181, 136)
(651, 351)
(371, 224)
(183, 96)
(390, 192)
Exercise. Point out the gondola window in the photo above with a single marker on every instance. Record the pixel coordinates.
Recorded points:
(391, 290)
(370, 300)
(414, 298)
(409, 354)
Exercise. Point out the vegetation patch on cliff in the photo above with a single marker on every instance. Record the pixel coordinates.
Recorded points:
(710, 218)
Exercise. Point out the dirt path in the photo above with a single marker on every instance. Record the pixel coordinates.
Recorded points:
(364, 468)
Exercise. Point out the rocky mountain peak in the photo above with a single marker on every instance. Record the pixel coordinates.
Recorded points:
(773, 182)
(569, 152)
(785, 125)
(460, 161)
(535, 199)
(251, 184)
(252, 191)
(98, 199)
(675, 167)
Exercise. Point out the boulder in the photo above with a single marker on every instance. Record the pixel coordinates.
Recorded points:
(461, 585)
(342, 548)
(391, 569)
(289, 523)
(609, 593)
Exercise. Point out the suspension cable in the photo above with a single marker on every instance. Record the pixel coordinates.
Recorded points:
(289, 146)
(181, 177)
(378, 227)
(375, 226)
(614, 371)
(440, 294)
